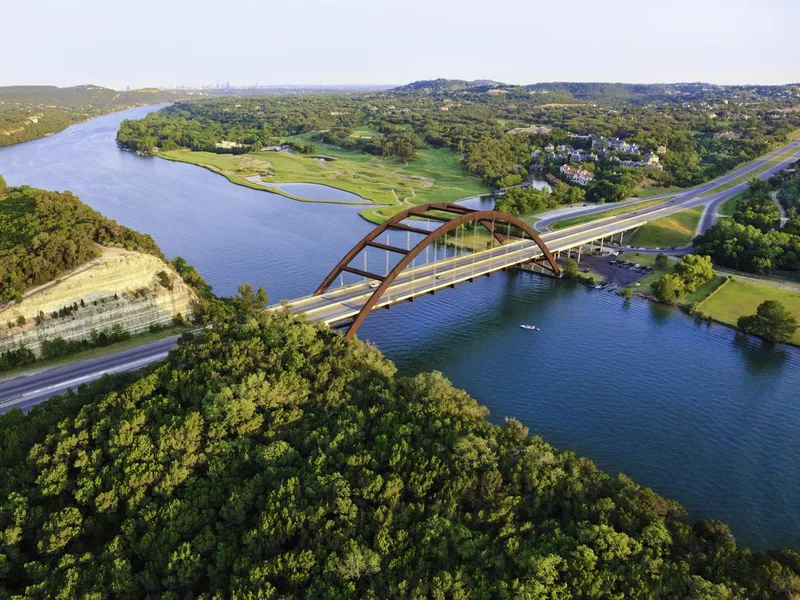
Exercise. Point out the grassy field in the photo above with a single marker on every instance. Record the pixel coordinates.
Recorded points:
(738, 298)
(654, 190)
(433, 176)
(675, 230)
(611, 212)
(728, 207)
(136, 340)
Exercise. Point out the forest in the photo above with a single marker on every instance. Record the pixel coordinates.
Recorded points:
(497, 129)
(271, 458)
(753, 240)
(44, 234)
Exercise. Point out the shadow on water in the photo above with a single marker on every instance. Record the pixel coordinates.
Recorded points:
(662, 313)
(759, 356)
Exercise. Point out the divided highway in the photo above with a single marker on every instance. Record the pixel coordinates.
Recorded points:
(339, 304)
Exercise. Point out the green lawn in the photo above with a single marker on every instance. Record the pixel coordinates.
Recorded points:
(728, 207)
(611, 212)
(674, 230)
(435, 175)
(738, 298)
(704, 291)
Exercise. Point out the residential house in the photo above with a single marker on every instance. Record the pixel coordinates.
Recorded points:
(576, 175)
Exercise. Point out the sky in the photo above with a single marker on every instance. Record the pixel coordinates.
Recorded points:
(301, 42)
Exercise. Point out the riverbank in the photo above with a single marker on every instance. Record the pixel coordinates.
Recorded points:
(435, 175)
(724, 298)
(189, 157)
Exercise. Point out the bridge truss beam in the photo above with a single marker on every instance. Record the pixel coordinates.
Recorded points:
(451, 216)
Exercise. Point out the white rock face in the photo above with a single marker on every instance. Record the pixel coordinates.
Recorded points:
(133, 277)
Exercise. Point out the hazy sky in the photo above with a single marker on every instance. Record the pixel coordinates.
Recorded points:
(168, 42)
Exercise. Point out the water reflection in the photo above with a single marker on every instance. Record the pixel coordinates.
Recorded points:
(759, 356)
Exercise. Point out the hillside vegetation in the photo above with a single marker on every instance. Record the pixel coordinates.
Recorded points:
(31, 111)
(44, 234)
(269, 458)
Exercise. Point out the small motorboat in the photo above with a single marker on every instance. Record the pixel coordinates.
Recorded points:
(530, 327)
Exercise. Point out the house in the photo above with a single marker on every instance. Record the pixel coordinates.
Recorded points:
(578, 156)
(576, 175)
(651, 159)
(549, 148)
(661, 149)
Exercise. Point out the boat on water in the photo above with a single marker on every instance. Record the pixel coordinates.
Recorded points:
(530, 327)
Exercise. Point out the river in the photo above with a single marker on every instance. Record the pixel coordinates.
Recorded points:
(696, 411)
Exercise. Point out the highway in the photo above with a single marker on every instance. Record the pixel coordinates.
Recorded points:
(340, 304)
(24, 391)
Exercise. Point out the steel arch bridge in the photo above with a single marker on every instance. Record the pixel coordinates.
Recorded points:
(450, 217)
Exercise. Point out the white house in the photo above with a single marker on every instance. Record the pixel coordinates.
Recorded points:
(576, 175)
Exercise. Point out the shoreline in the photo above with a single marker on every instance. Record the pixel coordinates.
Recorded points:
(237, 180)
(81, 121)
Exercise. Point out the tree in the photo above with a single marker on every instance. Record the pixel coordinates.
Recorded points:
(248, 300)
(772, 321)
(668, 288)
(695, 271)
(570, 268)
(661, 260)
(3, 184)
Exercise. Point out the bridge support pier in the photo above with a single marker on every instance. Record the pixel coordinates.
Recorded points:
(579, 253)
(601, 245)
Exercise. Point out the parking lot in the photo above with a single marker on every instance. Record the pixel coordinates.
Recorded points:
(617, 273)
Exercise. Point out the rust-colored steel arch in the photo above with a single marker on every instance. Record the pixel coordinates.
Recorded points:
(463, 215)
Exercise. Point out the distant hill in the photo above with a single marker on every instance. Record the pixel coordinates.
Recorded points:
(565, 91)
(448, 85)
(28, 112)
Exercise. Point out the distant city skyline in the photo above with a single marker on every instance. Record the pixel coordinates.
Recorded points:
(354, 42)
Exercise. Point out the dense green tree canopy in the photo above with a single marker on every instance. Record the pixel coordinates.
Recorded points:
(772, 321)
(268, 458)
(752, 241)
(524, 200)
(44, 234)
(689, 273)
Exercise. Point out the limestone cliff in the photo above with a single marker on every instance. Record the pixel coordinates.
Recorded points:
(120, 287)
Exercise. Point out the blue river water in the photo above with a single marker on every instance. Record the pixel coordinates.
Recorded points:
(699, 413)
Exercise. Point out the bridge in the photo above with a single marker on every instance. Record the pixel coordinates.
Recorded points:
(430, 247)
